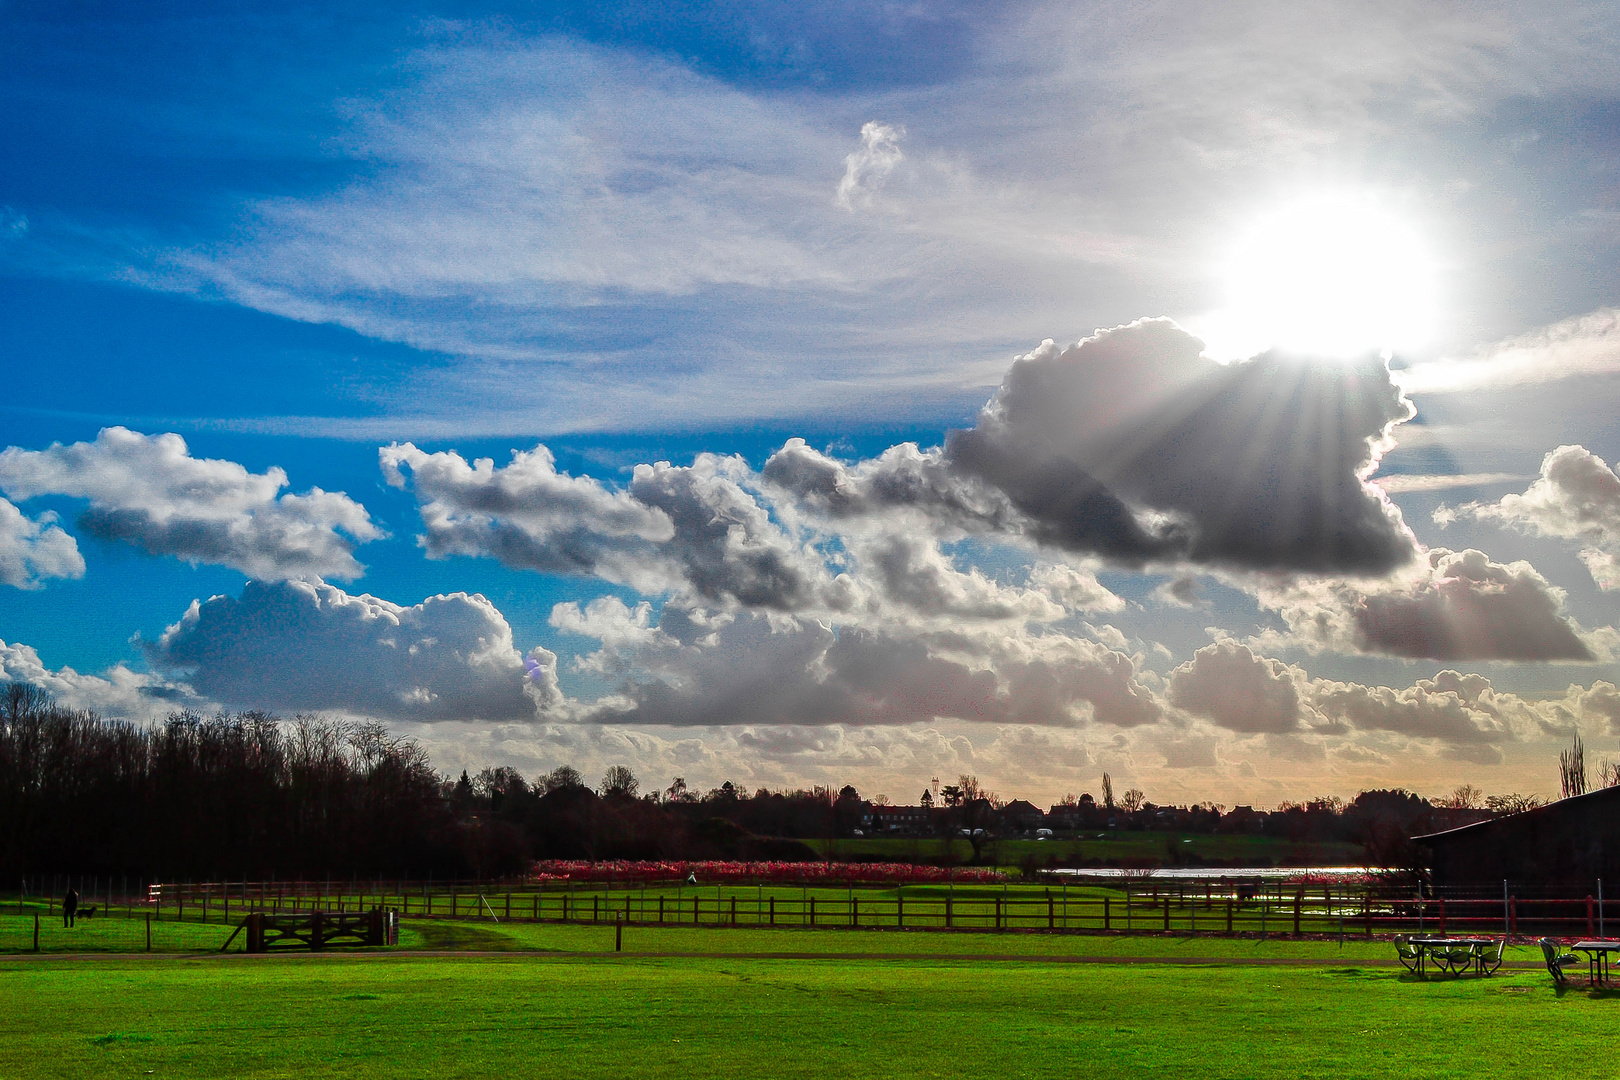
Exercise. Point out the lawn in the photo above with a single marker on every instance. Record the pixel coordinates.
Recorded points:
(622, 1016)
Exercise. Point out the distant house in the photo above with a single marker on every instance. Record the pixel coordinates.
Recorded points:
(1064, 816)
(911, 820)
(1023, 815)
(1572, 842)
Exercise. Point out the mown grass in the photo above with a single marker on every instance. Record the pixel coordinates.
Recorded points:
(745, 941)
(108, 934)
(605, 1016)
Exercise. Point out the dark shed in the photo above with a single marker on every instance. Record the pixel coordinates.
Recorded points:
(1570, 842)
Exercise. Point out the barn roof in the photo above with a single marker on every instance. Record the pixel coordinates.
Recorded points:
(1575, 805)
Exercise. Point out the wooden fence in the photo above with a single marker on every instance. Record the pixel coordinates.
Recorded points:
(1143, 907)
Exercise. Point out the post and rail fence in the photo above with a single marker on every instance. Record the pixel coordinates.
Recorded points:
(1215, 906)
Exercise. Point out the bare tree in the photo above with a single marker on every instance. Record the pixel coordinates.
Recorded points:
(619, 781)
(1132, 801)
(1572, 769)
(1503, 805)
(1467, 797)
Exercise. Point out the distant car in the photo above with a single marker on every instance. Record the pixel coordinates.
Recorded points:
(1042, 834)
(858, 832)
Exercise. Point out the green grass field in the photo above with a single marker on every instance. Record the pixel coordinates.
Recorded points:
(599, 1015)
(482, 998)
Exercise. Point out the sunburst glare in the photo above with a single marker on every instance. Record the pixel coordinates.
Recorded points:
(1331, 274)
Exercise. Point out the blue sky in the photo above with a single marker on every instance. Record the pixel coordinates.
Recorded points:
(301, 238)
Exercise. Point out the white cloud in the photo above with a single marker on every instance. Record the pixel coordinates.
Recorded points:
(1577, 497)
(1452, 605)
(1237, 690)
(692, 529)
(149, 492)
(33, 550)
(120, 692)
(1585, 345)
(1405, 483)
(299, 645)
(752, 668)
(867, 168)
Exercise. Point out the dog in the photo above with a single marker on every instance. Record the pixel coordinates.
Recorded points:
(87, 912)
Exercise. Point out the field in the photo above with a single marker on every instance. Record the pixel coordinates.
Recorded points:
(557, 1001)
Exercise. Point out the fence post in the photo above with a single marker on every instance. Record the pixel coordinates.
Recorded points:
(773, 911)
(1299, 902)
(1106, 919)
(813, 910)
(1051, 911)
(1228, 914)
(1366, 909)
(947, 912)
(618, 935)
(899, 911)
(660, 911)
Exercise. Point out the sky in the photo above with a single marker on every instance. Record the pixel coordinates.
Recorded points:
(1219, 396)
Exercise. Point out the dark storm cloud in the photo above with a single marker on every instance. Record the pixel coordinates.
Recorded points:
(1132, 446)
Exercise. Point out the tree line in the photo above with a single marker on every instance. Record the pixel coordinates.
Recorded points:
(250, 795)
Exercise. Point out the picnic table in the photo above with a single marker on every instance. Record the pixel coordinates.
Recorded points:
(1453, 954)
(1597, 958)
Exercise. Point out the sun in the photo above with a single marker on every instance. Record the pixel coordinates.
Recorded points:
(1333, 275)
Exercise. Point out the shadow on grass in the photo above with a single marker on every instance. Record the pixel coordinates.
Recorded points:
(448, 935)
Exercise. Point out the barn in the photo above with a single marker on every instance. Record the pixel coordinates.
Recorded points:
(1570, 843)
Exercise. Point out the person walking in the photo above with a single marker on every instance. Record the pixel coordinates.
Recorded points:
(70, 906)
